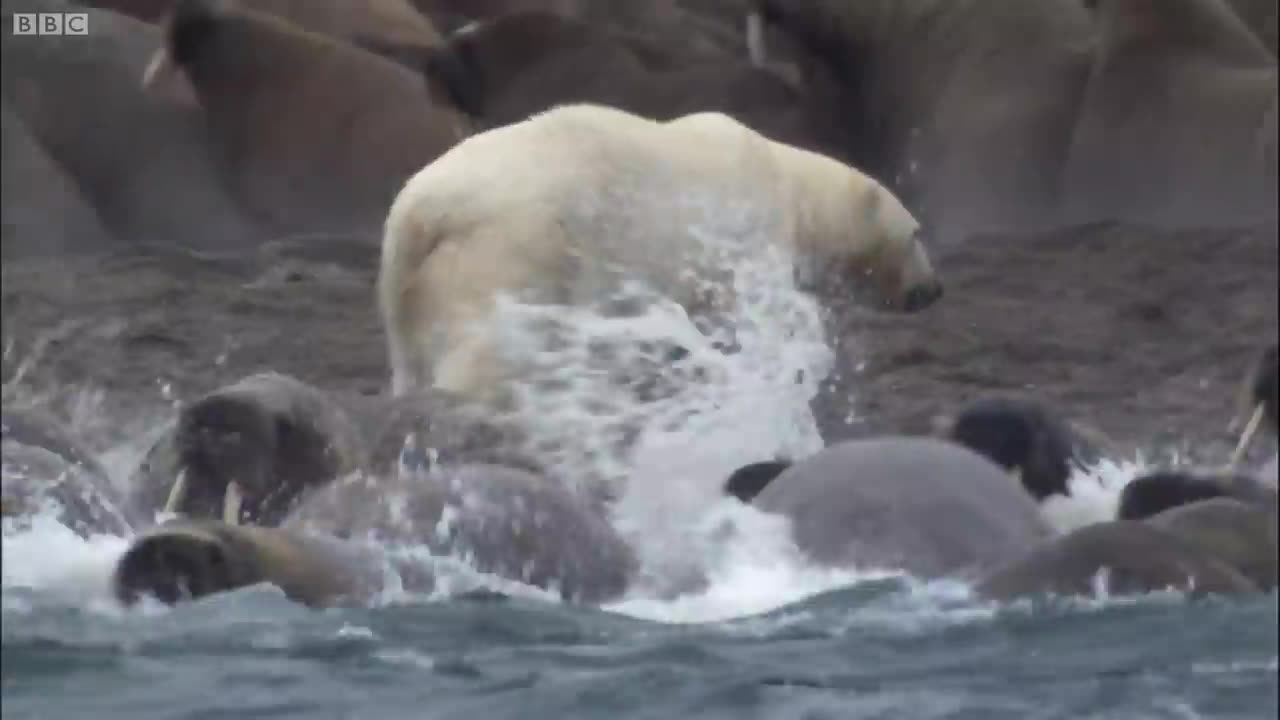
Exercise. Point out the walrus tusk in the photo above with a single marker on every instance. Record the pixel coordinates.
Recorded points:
(231, 503)
(755, 39)
(177, 493)
(1246, 437)
(157, 69)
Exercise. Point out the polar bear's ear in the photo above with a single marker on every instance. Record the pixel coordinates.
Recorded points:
(872, 204)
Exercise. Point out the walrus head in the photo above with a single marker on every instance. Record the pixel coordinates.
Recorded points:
(1155, 492)
(184, 562)
(227, 448)
(1024, 438)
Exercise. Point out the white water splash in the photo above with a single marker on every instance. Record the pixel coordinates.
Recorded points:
(1095, 493)
(47, 556)
(655, 402)
(751, 567)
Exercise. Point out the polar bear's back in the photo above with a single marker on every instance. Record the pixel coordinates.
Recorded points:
(557, 209)
(584, 162)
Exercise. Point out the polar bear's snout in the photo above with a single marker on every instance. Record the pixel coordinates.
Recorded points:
(913, 285)
(922, 296)
(921, 285)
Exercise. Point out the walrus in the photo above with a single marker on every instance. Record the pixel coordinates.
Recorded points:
(1154, 492)
(315, 135)
(388, 20)
(1029, 439)
(47, 467)
(1171, 129)
(185, 560)
(248, 451)
(963, 107)
(519, 64)
(164, 189)
(504, 521)
(1240, 533)
(924, 505)
(1127, 557)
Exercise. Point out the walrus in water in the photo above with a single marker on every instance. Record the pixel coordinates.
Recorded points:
(186, 560)
(1154, 492)
(503, 521)
(1030, 440)
(47, 467)
(1219, 546)
(1126, 556)
(924, 505)
(334, 548)
(1241, 533)
(247, 452)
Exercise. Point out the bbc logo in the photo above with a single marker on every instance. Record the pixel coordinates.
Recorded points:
(51, 23)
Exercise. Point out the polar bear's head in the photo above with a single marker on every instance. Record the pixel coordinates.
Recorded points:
(865, 240)
(889, 259)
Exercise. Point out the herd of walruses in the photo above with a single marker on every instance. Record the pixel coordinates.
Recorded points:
(218, 126)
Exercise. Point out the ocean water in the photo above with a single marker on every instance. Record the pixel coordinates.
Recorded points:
(875, 647)
(768, 636)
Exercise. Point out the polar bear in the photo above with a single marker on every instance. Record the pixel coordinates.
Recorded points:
(551, 209)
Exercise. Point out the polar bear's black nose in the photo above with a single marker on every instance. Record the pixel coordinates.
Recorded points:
(922, 296)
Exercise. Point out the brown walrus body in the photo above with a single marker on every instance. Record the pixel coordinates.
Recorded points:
(511, 67)
(144, 164)
(187, 560)
(1126, 557)
(1177, 123)
(1216, 546)
(315, 135)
